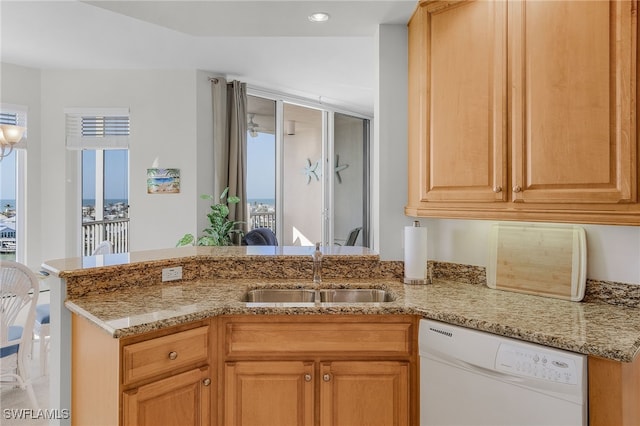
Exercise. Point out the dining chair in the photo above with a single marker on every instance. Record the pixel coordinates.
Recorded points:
(19, 290)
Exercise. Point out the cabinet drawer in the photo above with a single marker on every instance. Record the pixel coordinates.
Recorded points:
(346, 338)
(163, 354)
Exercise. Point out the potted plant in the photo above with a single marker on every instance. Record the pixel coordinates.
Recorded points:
(221, 229)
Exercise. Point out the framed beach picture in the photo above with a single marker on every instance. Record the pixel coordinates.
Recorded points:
(163, 181)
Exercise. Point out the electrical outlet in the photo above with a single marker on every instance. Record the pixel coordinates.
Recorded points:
(172, 274)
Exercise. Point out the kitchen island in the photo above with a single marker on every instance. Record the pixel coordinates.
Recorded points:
(122, 297)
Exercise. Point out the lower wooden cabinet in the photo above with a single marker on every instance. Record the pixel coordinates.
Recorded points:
(277, 393)
(313, 370)
(181, 400)
(373, 393)
(283, 393)
(157, 378)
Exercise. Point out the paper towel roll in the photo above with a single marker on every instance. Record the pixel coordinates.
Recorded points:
(415, 254)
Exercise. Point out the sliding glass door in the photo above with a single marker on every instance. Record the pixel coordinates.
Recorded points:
(350, 180)
(307, 173)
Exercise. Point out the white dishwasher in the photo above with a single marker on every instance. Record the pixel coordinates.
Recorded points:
(474, 378)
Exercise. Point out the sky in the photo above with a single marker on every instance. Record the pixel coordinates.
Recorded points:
(8, 177)
(116, 181)
(261, 166)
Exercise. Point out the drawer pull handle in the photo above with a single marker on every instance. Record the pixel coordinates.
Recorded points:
(173, 355)
(206, 381)
(326, 377)
(307, 377)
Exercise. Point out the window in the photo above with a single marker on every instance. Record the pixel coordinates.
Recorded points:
(11, 191)
(103, 137)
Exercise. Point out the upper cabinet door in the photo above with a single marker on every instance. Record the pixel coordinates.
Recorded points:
(572, 70)
(457, 113)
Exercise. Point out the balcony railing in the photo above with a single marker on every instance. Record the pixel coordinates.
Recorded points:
(115, 231)
(263, 220)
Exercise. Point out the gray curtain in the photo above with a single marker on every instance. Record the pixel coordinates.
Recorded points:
(230, 144)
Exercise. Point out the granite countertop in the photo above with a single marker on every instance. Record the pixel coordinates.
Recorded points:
(89, 265)
(592, 328)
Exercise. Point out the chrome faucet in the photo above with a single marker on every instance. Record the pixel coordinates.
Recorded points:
(317, 264)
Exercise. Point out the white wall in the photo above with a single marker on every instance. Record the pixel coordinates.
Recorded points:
(389, 143)
(204, 150)
(164, 130)
(613, 252)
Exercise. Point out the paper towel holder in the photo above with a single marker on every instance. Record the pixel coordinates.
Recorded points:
(419, 281)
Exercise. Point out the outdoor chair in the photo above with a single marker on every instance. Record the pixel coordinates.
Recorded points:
(260, 237)
(19, 289)
(353, 236)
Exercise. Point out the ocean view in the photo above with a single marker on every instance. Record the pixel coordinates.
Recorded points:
(92, 201)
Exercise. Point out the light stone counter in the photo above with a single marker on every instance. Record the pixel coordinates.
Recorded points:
(593, 328)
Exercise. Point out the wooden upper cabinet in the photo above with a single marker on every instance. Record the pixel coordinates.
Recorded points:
(524, 110)
(459, 125)
(571, 72)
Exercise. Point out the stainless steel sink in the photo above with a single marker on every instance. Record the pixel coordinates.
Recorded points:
(281, 295)
(354, 295)
(326, 295)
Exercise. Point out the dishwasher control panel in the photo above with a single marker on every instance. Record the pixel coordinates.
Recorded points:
(525, 362)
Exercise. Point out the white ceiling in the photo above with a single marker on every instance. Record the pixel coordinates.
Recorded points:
(268, 44)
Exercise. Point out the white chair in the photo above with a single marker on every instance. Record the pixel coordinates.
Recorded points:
(19, 289)
(104, 247)
(42, 332)
(41, 329)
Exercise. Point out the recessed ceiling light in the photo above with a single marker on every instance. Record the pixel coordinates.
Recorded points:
(319, 17)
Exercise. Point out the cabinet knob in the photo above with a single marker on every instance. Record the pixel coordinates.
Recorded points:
(307, 377)
(206, 381)
(497, 189)
(326, 377)
(173, 355)
(517, 188)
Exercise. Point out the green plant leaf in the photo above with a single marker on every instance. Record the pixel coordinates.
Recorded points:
(221, 228)
(186, 240)
(207, 241)
(224, 193)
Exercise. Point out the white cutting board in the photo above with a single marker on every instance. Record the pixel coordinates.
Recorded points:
(538, 259)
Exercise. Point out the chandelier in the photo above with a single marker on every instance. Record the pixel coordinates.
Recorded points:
(9, 136)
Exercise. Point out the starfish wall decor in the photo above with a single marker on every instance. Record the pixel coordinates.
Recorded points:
(313, 170)
(338, 168)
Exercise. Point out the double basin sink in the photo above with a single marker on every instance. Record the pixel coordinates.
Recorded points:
(325, 295)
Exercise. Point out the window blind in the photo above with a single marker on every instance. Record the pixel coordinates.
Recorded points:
(91, 128)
